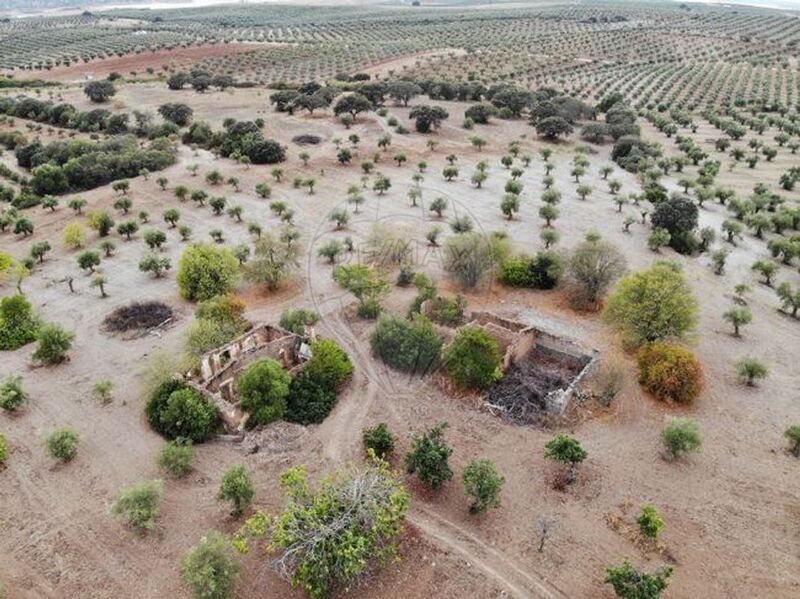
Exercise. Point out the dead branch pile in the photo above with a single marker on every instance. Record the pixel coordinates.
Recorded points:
(137, 316)
(520, 396)
(305, 140)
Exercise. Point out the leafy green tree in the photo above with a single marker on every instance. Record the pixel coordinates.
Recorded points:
(205, 271)
(790, 298)
(482, 483)
(409, 345)
(12, 395)
(154, 263)
(738, 316)
(472, 359)
(630, 583)
(378, 440)
(368, 508)
(237, 488)
(176, 458)
(566, 450)
(139, 504)
(273, 262)
(62, 444)
(179, 412)
(650, 523)
(766, 269)
(18, 323)
(654, 303)
(750, 371)
(99, 91)
(429, 457)
(53, 344)
(593, 267)
(262, 389)
(210, 568)
(680, 436)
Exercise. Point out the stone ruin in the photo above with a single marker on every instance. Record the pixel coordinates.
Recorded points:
(215, 378)
(541, 370)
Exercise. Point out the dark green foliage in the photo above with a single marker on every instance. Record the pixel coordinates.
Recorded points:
(262, 389)
(53, 344)
(12, 395)
(177, 411)
(18, 324)
(237, 488)
(429, 457)
(210, 568)
(409, 345)
(482, 484)
(296, 320)
(629, 583)
(329, 366)
(62, 444)
(543, 271)
(308, 402)
(379, 440)
(472, 359)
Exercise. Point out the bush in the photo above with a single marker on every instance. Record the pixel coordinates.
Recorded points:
(650, 523)
(482, 484)
(12, 395)
(177, 411)
(670, 372)
(3, 451)
(678, 215)
(472, 359)
(448, 311)
(629, 583)
(329, 366)
(379, 440)
(543, 271)
(653, 304)
(368, 508)
(62, 444)
(176, 458)
(566, 450)
(210, 568)
(468, 257)
(429, 457)
(408, 345)
(680, 436)
(18, 325)
(54, 343)
(295, 321)
(139, 504)
(227, 309)
(262, 389)
(792, 434)
(205, 271)
(308, 402)
(750, 371)
(237, 488)
(205, 334)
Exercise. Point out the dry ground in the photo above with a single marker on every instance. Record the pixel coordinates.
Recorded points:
(729, 510)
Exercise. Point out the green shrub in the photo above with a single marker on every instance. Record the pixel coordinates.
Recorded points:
(653, 304)
(379, 440)
(176, 458)
(53, 344)
(62, 444)
(139, 504)
(448, 311)
(237, 488)
(543, 271)
(680, 436)
(18, 325)
(566, 450)
(329, 366)
(751, 371)
(650, 523)
(482, 484)
(296, 320)
(262, 389)
(472, 359)
(3, 450)
(670, 372)
(408, 345)
(206, 271)
(225, 309)
(629, 583)
(308, 402)
(205, 334)
(177, 411)
(12, 395)
(429, 457)
(210, 568)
